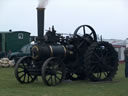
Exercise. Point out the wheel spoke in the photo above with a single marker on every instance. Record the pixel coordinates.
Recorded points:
(98, 75)
(94, 69)
(78, 36)
(57, 77)
(49, 78)
(28, 79)
(107, 67)
(30, 75)
(81, 43)
(84, 30)
(21, 66)
(20, 71)
(91, 33)
(24, 77)
(48, 72)
(58, 72)
(28, 61)
(24, 66)
(21, 75)
(105, 74)
(97, 56)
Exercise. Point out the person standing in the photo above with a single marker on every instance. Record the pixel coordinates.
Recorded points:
(126, 59)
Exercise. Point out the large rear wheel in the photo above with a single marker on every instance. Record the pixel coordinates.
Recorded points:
(101, 61)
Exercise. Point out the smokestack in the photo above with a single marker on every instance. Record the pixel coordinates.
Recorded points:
(40, 22)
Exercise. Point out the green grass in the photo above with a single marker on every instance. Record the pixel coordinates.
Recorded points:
(9, 86)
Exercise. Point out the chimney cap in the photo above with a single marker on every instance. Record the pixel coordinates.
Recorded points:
(40, 8)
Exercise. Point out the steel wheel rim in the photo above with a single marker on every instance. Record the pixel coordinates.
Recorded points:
(21, 72)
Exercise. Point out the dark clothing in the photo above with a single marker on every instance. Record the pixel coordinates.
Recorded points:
(126, 62)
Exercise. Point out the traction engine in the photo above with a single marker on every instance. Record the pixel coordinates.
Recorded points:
(57, 57)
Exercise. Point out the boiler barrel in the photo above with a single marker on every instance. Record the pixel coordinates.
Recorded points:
(57, 51)
(44, 52)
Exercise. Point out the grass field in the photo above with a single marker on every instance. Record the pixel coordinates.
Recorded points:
(9, 86)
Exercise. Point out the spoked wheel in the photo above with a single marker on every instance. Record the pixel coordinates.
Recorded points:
(101, 61)
(53, 71)
(85, 32)
(21, 70)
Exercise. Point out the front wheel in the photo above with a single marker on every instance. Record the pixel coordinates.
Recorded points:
(53, 71)
(21, 70)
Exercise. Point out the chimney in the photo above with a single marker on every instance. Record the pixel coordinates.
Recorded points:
(40, 23)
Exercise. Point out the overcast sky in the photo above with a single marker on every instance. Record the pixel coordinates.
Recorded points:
(109, 18)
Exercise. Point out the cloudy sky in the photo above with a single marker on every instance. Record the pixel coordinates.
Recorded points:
(109, 18)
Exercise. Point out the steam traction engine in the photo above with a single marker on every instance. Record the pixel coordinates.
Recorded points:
(56, 57)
